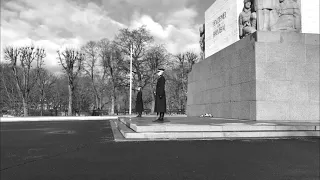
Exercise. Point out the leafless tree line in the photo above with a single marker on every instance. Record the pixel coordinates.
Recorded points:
(95, 76)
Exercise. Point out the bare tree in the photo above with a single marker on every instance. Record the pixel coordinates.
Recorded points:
(9, 95)
(92, 69)
(191, 59)
(71, 61)
(108, 65)
(185, 62)
(139, 39)
(46, 80)
(21, 61)
(57, 96)
(156, 56)
(84, 96)
(112, 61)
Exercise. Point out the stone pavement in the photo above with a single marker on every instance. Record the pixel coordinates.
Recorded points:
(81, 150)
(209, 128)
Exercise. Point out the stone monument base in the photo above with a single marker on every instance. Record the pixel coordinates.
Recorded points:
(265, 76)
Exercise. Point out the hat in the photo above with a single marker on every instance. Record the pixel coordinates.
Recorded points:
(245, 1)
(160, 69)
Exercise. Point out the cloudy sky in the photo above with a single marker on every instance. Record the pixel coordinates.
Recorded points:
(60, 23)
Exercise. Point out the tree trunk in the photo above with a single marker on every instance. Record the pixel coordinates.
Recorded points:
(112, 105)
(56, 111)
(100, 101)
(112, 102)
(41, 108)
(80, 106)
(70, 99)
(118, 106)
(153, 102)
(25, 107)
(153, 95)
(41, 103)
(97, 100)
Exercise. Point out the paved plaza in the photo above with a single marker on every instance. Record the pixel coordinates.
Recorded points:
(87, 150)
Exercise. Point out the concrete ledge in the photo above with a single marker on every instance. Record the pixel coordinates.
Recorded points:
(194, 124)
(202, 135)
(116, 132)
(286, 37)
(124, 130)
(219, 128)
(56, 118)
(194, 128)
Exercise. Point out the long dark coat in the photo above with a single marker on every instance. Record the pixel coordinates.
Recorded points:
(139, 102)
(160, 104)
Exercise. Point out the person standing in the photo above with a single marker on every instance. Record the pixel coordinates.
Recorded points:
(160, 99)
(139, 102)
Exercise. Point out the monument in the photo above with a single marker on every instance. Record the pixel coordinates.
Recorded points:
(222, 19)
(261, 61)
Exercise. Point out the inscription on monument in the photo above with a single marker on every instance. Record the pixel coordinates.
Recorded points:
(219, 25)
(221, 21)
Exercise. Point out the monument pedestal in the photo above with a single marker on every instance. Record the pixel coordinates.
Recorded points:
(265, 76)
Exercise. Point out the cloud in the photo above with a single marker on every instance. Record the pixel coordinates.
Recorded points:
(122, 10)
(178, 36)
(182, 18)
(70, 23)
(7, 14)
(54, 25)
(14, 6)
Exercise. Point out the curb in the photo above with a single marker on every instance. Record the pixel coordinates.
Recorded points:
(56, 118)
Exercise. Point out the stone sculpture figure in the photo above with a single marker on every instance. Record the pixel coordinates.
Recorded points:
(247, 20)
(267, 14)
(202, 40)
(289, 17)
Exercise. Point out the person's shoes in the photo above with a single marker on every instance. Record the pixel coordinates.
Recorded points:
(138, 116)
(161, 117)
(157, 120)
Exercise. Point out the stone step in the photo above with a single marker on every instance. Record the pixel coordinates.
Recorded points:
(121, 131)
(212, 135)
(216, 127)
(117, 135)
(128, 133)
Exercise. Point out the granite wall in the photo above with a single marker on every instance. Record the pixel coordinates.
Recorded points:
(265, 76)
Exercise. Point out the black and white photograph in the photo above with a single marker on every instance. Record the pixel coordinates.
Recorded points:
(160, 90)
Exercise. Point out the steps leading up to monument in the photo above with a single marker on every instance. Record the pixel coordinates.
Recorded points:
(205, 128)
(117, 135)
